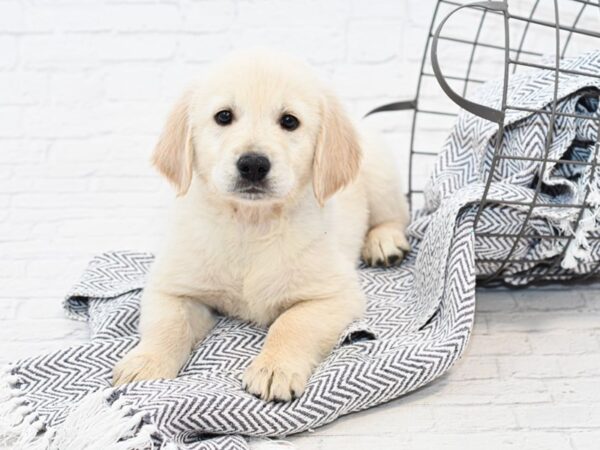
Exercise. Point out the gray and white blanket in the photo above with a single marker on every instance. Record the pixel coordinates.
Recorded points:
(419, 315)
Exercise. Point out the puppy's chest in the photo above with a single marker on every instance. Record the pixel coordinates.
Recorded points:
(255, 278)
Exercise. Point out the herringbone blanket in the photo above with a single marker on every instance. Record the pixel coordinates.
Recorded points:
(568, 197)
(419, 315)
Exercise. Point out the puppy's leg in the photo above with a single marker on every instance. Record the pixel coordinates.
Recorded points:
(169, 328)
(385, 243)
(297, 341)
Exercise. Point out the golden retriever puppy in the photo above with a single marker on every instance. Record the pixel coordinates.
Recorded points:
(277, 195)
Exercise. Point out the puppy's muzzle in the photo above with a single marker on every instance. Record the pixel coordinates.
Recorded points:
(253, 167)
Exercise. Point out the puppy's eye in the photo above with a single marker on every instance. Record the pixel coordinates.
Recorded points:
(289, 122)
(224, 117)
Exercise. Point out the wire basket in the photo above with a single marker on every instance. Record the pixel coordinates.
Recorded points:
(490, 40)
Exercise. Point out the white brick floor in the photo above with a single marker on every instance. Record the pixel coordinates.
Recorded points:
(530, 378)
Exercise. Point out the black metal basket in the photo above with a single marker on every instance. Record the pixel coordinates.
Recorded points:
(492, 39)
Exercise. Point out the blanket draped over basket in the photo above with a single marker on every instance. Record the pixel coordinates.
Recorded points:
(419, 315)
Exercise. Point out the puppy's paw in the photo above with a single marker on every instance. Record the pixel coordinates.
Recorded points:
(273, 379)
(140, 365)
(385, 245)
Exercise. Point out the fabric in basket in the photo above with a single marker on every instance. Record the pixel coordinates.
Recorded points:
(468, 159)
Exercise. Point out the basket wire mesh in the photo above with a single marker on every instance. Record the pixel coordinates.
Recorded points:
(545, 32)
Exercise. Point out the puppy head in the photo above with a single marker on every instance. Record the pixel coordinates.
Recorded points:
(259, 129)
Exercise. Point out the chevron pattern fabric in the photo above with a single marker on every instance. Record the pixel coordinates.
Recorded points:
(419, 315)
(205, 407)
(562, 161)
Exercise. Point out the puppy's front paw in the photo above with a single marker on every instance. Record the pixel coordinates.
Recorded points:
(272, 378)
(385, 245)
(140, 365)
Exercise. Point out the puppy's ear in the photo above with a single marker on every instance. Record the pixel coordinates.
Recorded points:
(338, 154)
(174, 152)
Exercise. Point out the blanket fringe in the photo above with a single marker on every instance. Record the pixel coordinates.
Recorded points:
(20, 428)
(94, 424)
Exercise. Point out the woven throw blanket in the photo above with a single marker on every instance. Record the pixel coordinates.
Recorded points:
(418, 320)
(570, 177)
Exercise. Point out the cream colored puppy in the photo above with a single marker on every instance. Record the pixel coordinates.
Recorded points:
(277, 195)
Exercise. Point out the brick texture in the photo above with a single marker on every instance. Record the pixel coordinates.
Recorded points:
(84, 89)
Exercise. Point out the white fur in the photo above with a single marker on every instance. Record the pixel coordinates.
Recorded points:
(284, 260)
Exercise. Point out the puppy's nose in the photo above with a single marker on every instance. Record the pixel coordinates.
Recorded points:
(253, 167)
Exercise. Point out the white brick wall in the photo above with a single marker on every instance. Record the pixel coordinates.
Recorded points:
(84, 89)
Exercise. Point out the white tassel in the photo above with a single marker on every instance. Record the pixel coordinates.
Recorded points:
(594, 198)
(19, 427)
(569, 261)
(94, 424)
(564, 226)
